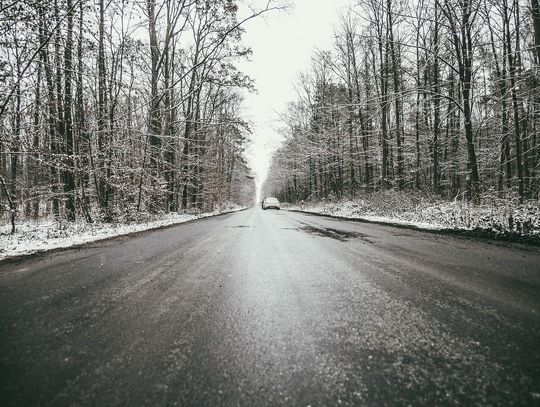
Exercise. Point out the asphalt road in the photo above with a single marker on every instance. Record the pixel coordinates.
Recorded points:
(273, 308)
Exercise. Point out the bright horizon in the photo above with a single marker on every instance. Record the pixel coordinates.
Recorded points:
(291, 35)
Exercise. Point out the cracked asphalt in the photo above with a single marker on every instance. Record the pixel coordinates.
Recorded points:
(268, 308)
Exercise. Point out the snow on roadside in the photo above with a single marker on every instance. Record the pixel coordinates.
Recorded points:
(345, 213)
(496, 217)
(31, 237)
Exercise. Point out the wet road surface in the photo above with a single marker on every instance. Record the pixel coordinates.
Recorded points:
(273, 308)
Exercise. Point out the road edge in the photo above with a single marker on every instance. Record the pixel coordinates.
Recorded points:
(483, 234)
(20, 257)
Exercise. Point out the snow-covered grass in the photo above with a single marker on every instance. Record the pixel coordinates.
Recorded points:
(47, 234)
(494, 216)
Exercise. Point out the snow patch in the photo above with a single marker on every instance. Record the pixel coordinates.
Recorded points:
(31, 237)
(494, 216)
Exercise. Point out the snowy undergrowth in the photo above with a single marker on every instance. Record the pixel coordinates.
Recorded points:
(47, 234)
(497, 217)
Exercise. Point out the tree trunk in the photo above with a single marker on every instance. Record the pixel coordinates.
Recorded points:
(68, 176)
(153, 114)
(397, 96)
(535, 10)
(102, 189)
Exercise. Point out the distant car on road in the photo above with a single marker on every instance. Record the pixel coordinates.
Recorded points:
(269, 203)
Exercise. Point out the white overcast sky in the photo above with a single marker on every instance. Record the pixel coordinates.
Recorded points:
(282, 45)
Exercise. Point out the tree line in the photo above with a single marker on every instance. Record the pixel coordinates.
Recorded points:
(440, 96)
(113, 108)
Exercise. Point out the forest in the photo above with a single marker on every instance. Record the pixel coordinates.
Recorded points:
(114, 109)
(438, 97)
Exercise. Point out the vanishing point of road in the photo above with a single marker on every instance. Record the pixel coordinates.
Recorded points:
(272, 308)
